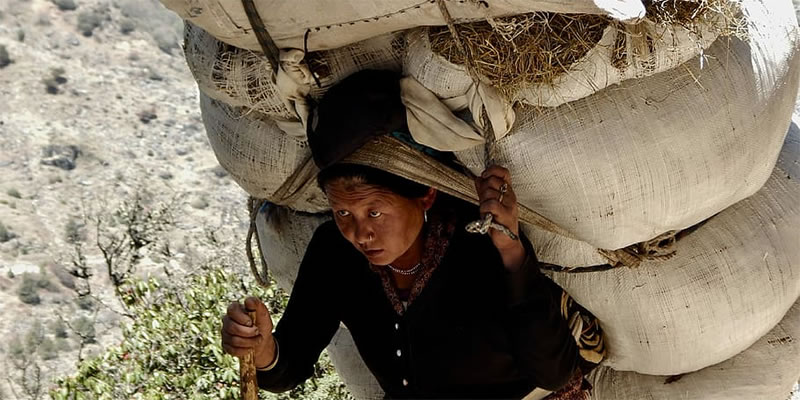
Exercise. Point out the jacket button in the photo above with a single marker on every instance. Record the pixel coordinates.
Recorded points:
(396, 326)
(405, 382)
(399, 353)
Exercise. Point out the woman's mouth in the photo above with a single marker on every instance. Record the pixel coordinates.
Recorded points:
(373, 252)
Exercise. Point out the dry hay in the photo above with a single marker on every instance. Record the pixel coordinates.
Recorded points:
(513, 52)
(723, 16)
(518, 51)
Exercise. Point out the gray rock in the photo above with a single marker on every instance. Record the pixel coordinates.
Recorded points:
(63, 157)
(199, 203)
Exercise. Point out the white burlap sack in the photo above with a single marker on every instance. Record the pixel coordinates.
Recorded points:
(766, 370)
(730, 282)
(257, 154)
(594, 71)
(335, 25)
(664, 152)
(570, 253)
(244, 78)
(284, 236)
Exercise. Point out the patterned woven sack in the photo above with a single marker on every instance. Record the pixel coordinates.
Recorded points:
(258, 155)
(729, 283)
(660, 153)
(244, 78)
(766, 370)
(318, 25)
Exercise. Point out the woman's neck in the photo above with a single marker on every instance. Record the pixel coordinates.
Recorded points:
(413, 255)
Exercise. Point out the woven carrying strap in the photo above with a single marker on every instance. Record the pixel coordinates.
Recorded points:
(396, 157)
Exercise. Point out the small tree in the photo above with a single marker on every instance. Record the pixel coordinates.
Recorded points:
(27, 291)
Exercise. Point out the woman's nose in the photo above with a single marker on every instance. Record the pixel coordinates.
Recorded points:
(364, 234)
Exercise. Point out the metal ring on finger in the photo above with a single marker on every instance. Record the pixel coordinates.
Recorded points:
(503, 190)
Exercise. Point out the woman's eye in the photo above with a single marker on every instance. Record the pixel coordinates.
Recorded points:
(375, 214)
(342, 213)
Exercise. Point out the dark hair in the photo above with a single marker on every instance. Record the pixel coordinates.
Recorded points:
(362, 106)
(371, 176)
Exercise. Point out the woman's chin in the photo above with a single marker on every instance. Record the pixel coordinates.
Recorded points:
(377, 257)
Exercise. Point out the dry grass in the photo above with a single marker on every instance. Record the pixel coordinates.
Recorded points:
(514, 52)
(723, 16)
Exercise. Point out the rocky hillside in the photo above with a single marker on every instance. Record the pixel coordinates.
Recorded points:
(99, 122)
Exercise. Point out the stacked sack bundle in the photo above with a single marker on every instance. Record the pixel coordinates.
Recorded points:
(647, 130)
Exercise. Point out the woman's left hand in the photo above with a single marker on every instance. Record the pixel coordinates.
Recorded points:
(505, 212)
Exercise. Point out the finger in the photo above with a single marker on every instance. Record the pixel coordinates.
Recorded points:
(236, 351)
(498, 171)
(263, 319)
(492, 182)
(489, 194)
(237, 313)
(243, 342)
(495, 208)
(236, 329)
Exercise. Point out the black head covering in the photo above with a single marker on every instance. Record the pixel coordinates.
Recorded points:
(362, 106)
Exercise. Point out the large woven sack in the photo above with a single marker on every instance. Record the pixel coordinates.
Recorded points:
(256, 153)
(244, 78)
(575, 254)
(334, 25)
(284, 236)
(729, 283)
(766, 370)
(596, 70)
(664, 152)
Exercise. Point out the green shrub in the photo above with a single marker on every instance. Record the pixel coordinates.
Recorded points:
(73, 231)
(47, 349)
(88, 21)
(84, 327)
(85, 303)
(13, 192)
(5, 59)
(172, 349)
(5, 234)
(65, 5)
(126, 26)
(27, 291)
(59, 328)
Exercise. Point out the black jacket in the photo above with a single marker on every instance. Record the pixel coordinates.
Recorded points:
(475, 330)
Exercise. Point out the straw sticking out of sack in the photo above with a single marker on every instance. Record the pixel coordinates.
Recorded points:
(536, 48)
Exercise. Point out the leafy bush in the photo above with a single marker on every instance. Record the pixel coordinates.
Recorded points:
(126, 26)
(5, 59)
(73, 231)
(27, 291)
(13, 192)
(172, 349)
(85, 303)
(59, 328)
(65, 5)
(84, 327)
(5, 234)
(88, 21)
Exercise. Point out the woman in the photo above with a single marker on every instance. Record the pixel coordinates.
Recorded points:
(433, 310)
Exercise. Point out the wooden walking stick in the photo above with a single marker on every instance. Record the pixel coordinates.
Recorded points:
(247, 371)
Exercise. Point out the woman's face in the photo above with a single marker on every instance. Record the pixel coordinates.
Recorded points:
(381, 224)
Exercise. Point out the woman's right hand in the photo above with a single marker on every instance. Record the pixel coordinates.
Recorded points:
(240, 336)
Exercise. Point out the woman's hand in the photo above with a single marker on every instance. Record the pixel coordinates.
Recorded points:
(505, 213)
(240, 336)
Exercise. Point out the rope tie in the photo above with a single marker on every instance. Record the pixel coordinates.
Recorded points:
(262, 278)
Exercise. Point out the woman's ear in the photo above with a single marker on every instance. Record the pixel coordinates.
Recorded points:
(429, 198)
